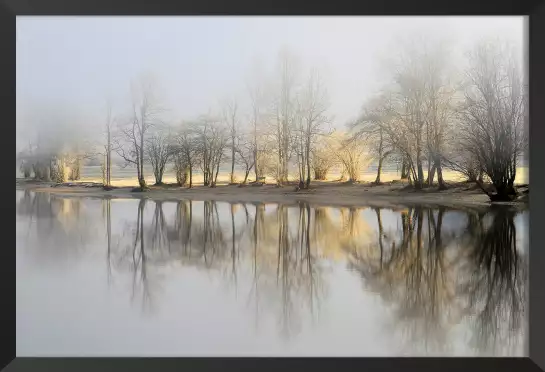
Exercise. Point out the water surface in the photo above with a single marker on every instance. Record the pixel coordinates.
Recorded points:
(119, 277)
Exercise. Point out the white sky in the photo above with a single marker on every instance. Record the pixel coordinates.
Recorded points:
(75, 63)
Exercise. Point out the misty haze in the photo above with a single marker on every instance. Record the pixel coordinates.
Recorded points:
(280, 186)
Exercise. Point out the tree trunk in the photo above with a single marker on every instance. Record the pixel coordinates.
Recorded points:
(246, 176)
(159, 177)
(301, 161)
(308, 167)
(511, 182)
(503, 193)
(420, 175)
(142, 180)
(379, 170)
(285, 153)
(301, 169)
(343, 173)
(205, 165)
(108, 160)
(216, 176)
(186, 176)
(430, 162)
(138, 172)
(103, 166)
(181, 176)
(255, 160)
(108, 168)
(77, 170)
(404, 170)
(232, 180)
(440, 180)
(431, 175)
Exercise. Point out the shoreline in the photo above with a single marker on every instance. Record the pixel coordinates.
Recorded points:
(322, 193)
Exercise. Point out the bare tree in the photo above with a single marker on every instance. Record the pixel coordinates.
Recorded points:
(102, 148)
(494, 117)
(257, 101)
(230, 117)
(439, 108)
(185, 153)
(74, 160)
(322, 158)
(464, 162)
(40, 154)
(25, 160)
(66, 160)
(246, 155)
(413, 109)
(159, 149)
(351, 154)
(459, 157)
(25, 168)
(299, 141)
(145, 114)
(211, 139)
(409, 110)
(108, 146)
(284, 110)
(181, 169)
(370, 128)
(311, 117)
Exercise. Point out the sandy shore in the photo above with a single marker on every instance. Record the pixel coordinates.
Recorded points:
(127, 177)
(392, 194)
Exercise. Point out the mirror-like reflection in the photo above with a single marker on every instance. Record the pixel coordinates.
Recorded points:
(144, 277)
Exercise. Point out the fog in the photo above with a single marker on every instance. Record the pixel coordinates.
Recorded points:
(68, 67)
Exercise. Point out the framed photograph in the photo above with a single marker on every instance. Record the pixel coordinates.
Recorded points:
(253, 186)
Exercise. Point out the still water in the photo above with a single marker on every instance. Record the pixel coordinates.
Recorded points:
(129, 277)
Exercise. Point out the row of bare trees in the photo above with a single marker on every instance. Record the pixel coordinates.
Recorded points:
(474, 125)
(286, 123)
(286, 119)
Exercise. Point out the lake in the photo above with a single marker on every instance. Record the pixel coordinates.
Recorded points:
(137, 277)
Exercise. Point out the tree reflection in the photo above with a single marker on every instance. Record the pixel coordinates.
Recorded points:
(181, 232)
(297, 274)
(139, 257)
(433, 282)
(256, 236)
(432, 278)
(159, 230)
(107, 210)
(431, 274)
(495, 284)
(140, 254)
(57, 227)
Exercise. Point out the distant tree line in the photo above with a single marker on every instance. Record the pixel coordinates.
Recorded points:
(426, 116)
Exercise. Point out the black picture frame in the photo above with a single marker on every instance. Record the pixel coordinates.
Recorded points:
(536, 42)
